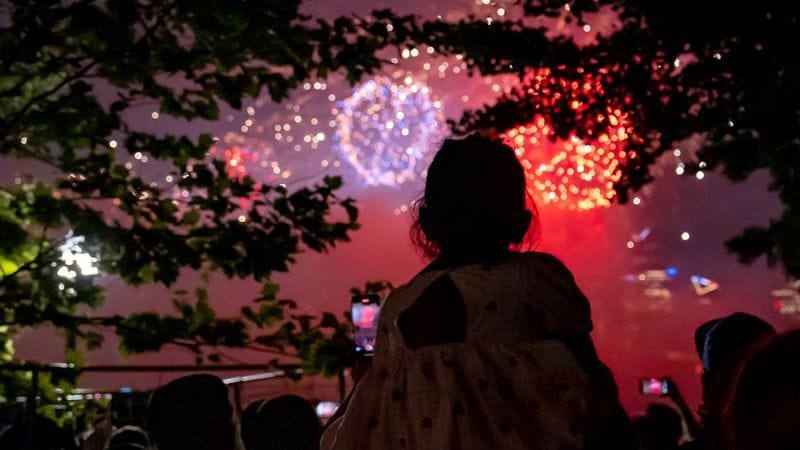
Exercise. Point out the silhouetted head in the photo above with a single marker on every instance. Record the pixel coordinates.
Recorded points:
(721, 342)
(191, 413)
(660, 428)
(722, 345)
(129, 438)
(287, 422)
(44, 435)
(764, 409)
(475, 202)
(248, 422)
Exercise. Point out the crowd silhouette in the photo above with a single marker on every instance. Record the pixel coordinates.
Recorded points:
(485, 348)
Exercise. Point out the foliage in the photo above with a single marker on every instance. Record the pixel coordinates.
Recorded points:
(52, 387)
(719, 70)
(324, 344)
(70, 73)
(11, 384)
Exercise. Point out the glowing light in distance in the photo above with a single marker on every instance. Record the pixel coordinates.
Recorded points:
(76, 260)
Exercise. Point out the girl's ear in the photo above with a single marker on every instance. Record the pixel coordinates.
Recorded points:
(523, 222)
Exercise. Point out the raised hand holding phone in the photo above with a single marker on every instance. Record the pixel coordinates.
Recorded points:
(364, 313)
(666, 387)
(654, 386)
(364, 310)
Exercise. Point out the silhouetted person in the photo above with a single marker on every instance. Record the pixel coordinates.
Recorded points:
(191, 413)
(486, 347)
(45, 435)
(764, 410)
(660, 428)
(674, 394)
(98, 436)
(248, 422)
(287, 422)
(722, 345)
(129, 438)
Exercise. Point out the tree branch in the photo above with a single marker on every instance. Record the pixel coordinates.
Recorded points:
(18, 116)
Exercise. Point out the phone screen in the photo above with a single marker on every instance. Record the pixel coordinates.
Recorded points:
(365, 310)
(326, 410)
(654, 386)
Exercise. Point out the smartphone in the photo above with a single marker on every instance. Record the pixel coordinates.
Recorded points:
(364, 310)
(654, 386)
(326, 410)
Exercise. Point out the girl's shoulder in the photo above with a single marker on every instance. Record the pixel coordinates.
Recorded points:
(525, 267)
(402, 296)
(542, 262)
(532, 263)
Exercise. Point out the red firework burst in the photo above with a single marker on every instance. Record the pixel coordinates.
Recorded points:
(236, 159)
(574, 173)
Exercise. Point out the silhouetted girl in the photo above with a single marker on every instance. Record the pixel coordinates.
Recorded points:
(486, 348)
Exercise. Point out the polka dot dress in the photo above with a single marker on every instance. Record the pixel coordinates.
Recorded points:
(511, 383)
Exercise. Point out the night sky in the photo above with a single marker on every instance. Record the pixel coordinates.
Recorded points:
(638, 335)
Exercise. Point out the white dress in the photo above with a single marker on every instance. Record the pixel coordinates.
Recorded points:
(512, 384)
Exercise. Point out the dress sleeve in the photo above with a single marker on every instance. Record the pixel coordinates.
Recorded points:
(571, 323)
(562, 306)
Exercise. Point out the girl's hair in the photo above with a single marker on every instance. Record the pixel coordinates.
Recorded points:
(475, 193)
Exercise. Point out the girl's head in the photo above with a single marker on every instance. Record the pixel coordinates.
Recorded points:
(475, 201)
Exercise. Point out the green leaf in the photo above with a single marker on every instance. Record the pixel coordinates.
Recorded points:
(333, 183)
(270, 314)
(329, 320)
(269, 291)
